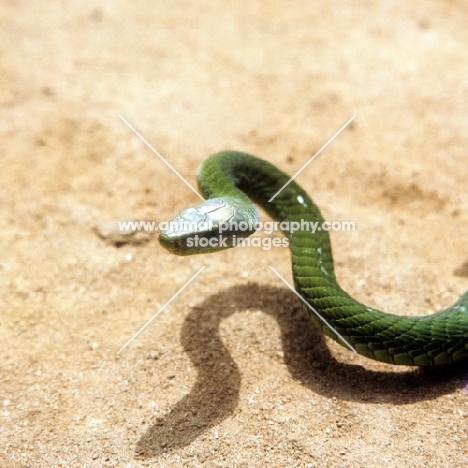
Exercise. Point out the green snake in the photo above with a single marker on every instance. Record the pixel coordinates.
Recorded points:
(232, 182)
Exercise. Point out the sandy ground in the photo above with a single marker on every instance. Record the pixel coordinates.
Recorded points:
(232, 374)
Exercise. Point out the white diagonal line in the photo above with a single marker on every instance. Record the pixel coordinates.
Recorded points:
(160, 157)
(312, 158)
(161, 309)
(311, 308)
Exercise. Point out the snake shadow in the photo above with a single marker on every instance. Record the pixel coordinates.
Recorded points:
(215, 394)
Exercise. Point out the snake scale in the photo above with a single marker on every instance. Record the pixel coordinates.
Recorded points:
(232, 182)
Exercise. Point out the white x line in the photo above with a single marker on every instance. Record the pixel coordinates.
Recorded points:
(312, 158)
(161, 309)
(160, 157)
(311, 308)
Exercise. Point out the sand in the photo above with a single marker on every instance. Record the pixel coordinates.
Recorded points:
(232, 374)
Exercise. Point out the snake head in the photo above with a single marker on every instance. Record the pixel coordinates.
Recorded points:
(211, 226)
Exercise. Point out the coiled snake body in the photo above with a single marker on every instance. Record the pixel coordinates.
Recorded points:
(231, 181)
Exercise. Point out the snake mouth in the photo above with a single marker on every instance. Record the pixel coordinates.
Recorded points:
(172, 245)
(177, 245)
(181, 246)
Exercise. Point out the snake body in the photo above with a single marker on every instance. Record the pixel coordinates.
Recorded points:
(232, 182)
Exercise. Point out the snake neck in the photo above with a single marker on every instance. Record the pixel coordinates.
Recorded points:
(242, 176)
